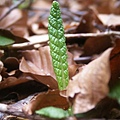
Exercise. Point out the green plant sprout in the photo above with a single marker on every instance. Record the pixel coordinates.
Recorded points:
(58, 49)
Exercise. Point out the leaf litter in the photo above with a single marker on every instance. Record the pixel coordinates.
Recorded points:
(28, 82)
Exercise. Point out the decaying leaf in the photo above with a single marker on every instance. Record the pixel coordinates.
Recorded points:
(39, 65)
(11, 81)
(16, 21)
(89, 20)
(13, 88)
(110, 19)
(90, 85)
(102, 44)
(45, 99)
(106, 108)
(9, 34)
(115, 63)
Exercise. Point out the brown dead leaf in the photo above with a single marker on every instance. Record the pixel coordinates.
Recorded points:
(75, 50)
(42, 3)
(96, 45)
(90, 85)
(45, 99)
(6, 3)
(12, 81)
(88, 22)
(72, 66)
(16, 21)
(107, 108)
(115, 63)
(39, 28)
(107, 6)
(10, 35)
(39, 65)
(109, 19)
(19, 86)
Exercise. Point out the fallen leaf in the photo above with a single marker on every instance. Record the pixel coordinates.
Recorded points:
(88, 22)
(22, 87)
(90, 85)
(115, 64)
(45, 99)
(72, 66)
(11, 81)
(18, 24)
(104, 109)
(39, 28)
(38, 63)
(102, 44)
(9, 34)
(109, 19)
(75, 50)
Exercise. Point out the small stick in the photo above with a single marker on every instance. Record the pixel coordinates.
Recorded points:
(44, 38)
(8, 109)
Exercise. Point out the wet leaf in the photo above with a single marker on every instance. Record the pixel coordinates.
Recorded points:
(90, 85)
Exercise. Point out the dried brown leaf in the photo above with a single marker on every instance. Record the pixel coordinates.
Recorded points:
(45, 99)
(115, 63)
(75, 50)
(38, 64)
(88, 22)
(102, 44)
(39, 28)
(10, 19)
(11, 81)
(16, 21)
(9, 34)
(109, 19)
(90, 85)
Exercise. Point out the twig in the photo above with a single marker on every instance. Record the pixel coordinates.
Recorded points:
(80, 35)
(39, 39)
(19, 113)
(12, 8)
